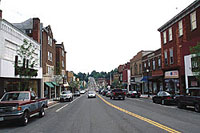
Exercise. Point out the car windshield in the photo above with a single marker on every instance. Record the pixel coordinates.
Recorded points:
(91, 92)
(66, 92)
(15, 97)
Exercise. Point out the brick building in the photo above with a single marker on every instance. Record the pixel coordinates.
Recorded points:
(152, 72)
(177, 36)
(136, 71)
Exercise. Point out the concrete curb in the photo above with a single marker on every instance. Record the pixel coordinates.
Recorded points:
(50, 103)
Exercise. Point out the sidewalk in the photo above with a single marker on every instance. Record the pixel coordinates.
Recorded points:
(51, 102)
(146, 96)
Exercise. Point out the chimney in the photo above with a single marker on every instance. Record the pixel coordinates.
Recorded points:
(36, 29)
(0, 14)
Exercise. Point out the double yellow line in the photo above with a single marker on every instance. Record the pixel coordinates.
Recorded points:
(140, 117)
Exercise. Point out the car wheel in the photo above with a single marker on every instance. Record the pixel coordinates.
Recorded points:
(42, 112)
(163, 102)
(154, 101)
(197, 107)
(24, 119)
(110, 97)
(123, 98)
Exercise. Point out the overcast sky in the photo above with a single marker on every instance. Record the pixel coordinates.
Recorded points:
(98, 34)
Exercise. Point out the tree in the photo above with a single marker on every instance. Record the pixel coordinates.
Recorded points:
(25, 62)
(195, 51)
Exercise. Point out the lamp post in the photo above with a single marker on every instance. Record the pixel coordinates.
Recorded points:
(148, 80)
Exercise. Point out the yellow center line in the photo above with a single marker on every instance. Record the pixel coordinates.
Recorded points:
(140, 117)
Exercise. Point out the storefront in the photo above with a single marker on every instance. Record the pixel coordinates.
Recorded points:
(171, 81)
(16, 84)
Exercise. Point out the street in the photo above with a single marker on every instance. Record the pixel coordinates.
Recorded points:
(84, 115)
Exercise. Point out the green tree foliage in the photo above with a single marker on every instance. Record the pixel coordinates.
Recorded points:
(25, 63)
(195, 51)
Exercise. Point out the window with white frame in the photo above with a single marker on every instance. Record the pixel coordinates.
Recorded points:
(164, 37)
(63, 65)
(165, 55)
(154, 65)
(50, 56)
(170, 34)
(63, 53)
(171, 55)
(49, 40)
(180, 28)
(193, 20)
(149, 63)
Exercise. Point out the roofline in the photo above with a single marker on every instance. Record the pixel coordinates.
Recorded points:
(20, 31)
(180, 15)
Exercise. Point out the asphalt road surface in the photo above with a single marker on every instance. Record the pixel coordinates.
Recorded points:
(97, 115)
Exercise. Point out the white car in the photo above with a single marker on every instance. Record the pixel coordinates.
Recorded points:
(91, 94)
(82, 92)
(66, 95)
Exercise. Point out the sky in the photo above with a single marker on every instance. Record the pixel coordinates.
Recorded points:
(98, 34)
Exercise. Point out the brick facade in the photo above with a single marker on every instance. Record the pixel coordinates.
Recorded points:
(180, 45)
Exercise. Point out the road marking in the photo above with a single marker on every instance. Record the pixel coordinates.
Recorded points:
(140, 117)
(67, 104)
(61, 107)
(51, 106)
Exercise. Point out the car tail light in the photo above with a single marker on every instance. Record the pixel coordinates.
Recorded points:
(113, 93)
(19, 108)
(124, 93)
(169, 98)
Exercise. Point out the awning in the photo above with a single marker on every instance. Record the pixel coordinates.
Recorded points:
(144, 79)
(55, 84)
(49, 84)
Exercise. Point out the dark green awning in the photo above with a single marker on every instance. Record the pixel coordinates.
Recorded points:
(49, 84)
(54, 83)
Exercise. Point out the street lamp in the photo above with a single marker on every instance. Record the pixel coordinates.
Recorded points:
(148, 80)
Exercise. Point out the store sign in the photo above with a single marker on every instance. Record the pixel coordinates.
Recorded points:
(171, 74)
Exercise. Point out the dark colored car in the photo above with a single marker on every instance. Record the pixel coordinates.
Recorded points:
(126, 91)
(108, 94)
(190, 99)
(164, 97)
(77, 93)
(117, 93)
(135, 94)
(104, 92)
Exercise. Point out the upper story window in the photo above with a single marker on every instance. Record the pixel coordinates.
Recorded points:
(49, 40)
(63, 65)
(154, 65)
(166, 59)
(135, 68)
(170, 34)
(159, 63)
(149, 63)
(63, 53)
(171, 55)
(180, 28)
(164, 37)
(140, 68)
(193, 20)
(50, 56)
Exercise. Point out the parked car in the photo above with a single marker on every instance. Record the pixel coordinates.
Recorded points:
(66, 96)
(164, 97)
(82, 92)
(125, 90)
(117, 93)
(91, 94)
(104, 92)
(135, 94)
(191, 99)
(20, 105)
(77, 93)
(108, 94)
